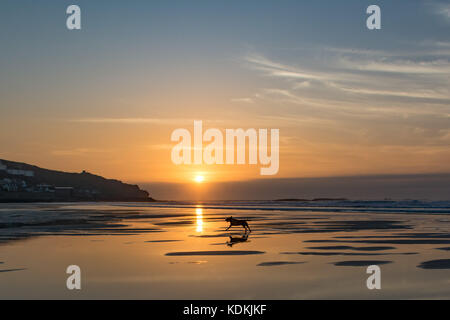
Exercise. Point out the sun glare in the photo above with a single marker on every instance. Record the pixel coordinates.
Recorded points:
(199, 179)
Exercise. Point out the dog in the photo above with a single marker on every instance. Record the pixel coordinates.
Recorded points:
(237, 222)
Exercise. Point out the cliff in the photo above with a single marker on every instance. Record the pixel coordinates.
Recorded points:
(21, 182)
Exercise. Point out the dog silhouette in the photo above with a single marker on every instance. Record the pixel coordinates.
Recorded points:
(237, 222)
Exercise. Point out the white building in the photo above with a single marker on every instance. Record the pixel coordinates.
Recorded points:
(44, 188)
(27, 173)
(8, 185)
(16, 172)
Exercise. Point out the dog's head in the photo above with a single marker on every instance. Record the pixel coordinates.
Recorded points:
(228, 219)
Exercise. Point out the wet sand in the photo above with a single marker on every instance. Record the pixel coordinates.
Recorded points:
(149, 251)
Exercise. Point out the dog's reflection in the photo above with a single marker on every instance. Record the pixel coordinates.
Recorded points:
(234, 240)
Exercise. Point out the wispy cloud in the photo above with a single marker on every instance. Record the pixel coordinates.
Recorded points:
(127, 120)
(161, 121)
(243, 100)
(442, 9)
(78, 151)
(275, 69)
(361, 73)
(400, 66)
(399, 98)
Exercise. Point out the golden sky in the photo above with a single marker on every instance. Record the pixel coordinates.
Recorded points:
(347, 101)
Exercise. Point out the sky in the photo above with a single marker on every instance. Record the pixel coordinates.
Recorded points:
(348, 101)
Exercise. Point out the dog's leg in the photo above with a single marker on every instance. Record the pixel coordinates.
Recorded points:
(228, 227)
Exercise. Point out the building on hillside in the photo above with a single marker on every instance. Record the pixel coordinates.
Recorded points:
(44, 188)
(17, 172)
(8, 185)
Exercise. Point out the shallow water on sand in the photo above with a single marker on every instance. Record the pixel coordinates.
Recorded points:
(176, 251)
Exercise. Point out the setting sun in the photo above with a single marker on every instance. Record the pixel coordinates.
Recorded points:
(199, 179)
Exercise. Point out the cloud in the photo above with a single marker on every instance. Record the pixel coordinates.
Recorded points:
(275, 69)
(359, 95)
(442, 9)
(171, 121)
(244, 100)
(402, 66)
(127, 120)
(78, 152)
(353, 75)
(424, 94)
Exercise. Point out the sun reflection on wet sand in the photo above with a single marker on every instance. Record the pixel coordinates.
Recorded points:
(292, 255)
(199, 213)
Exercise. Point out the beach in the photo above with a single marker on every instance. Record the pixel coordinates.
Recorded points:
(180, 250)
